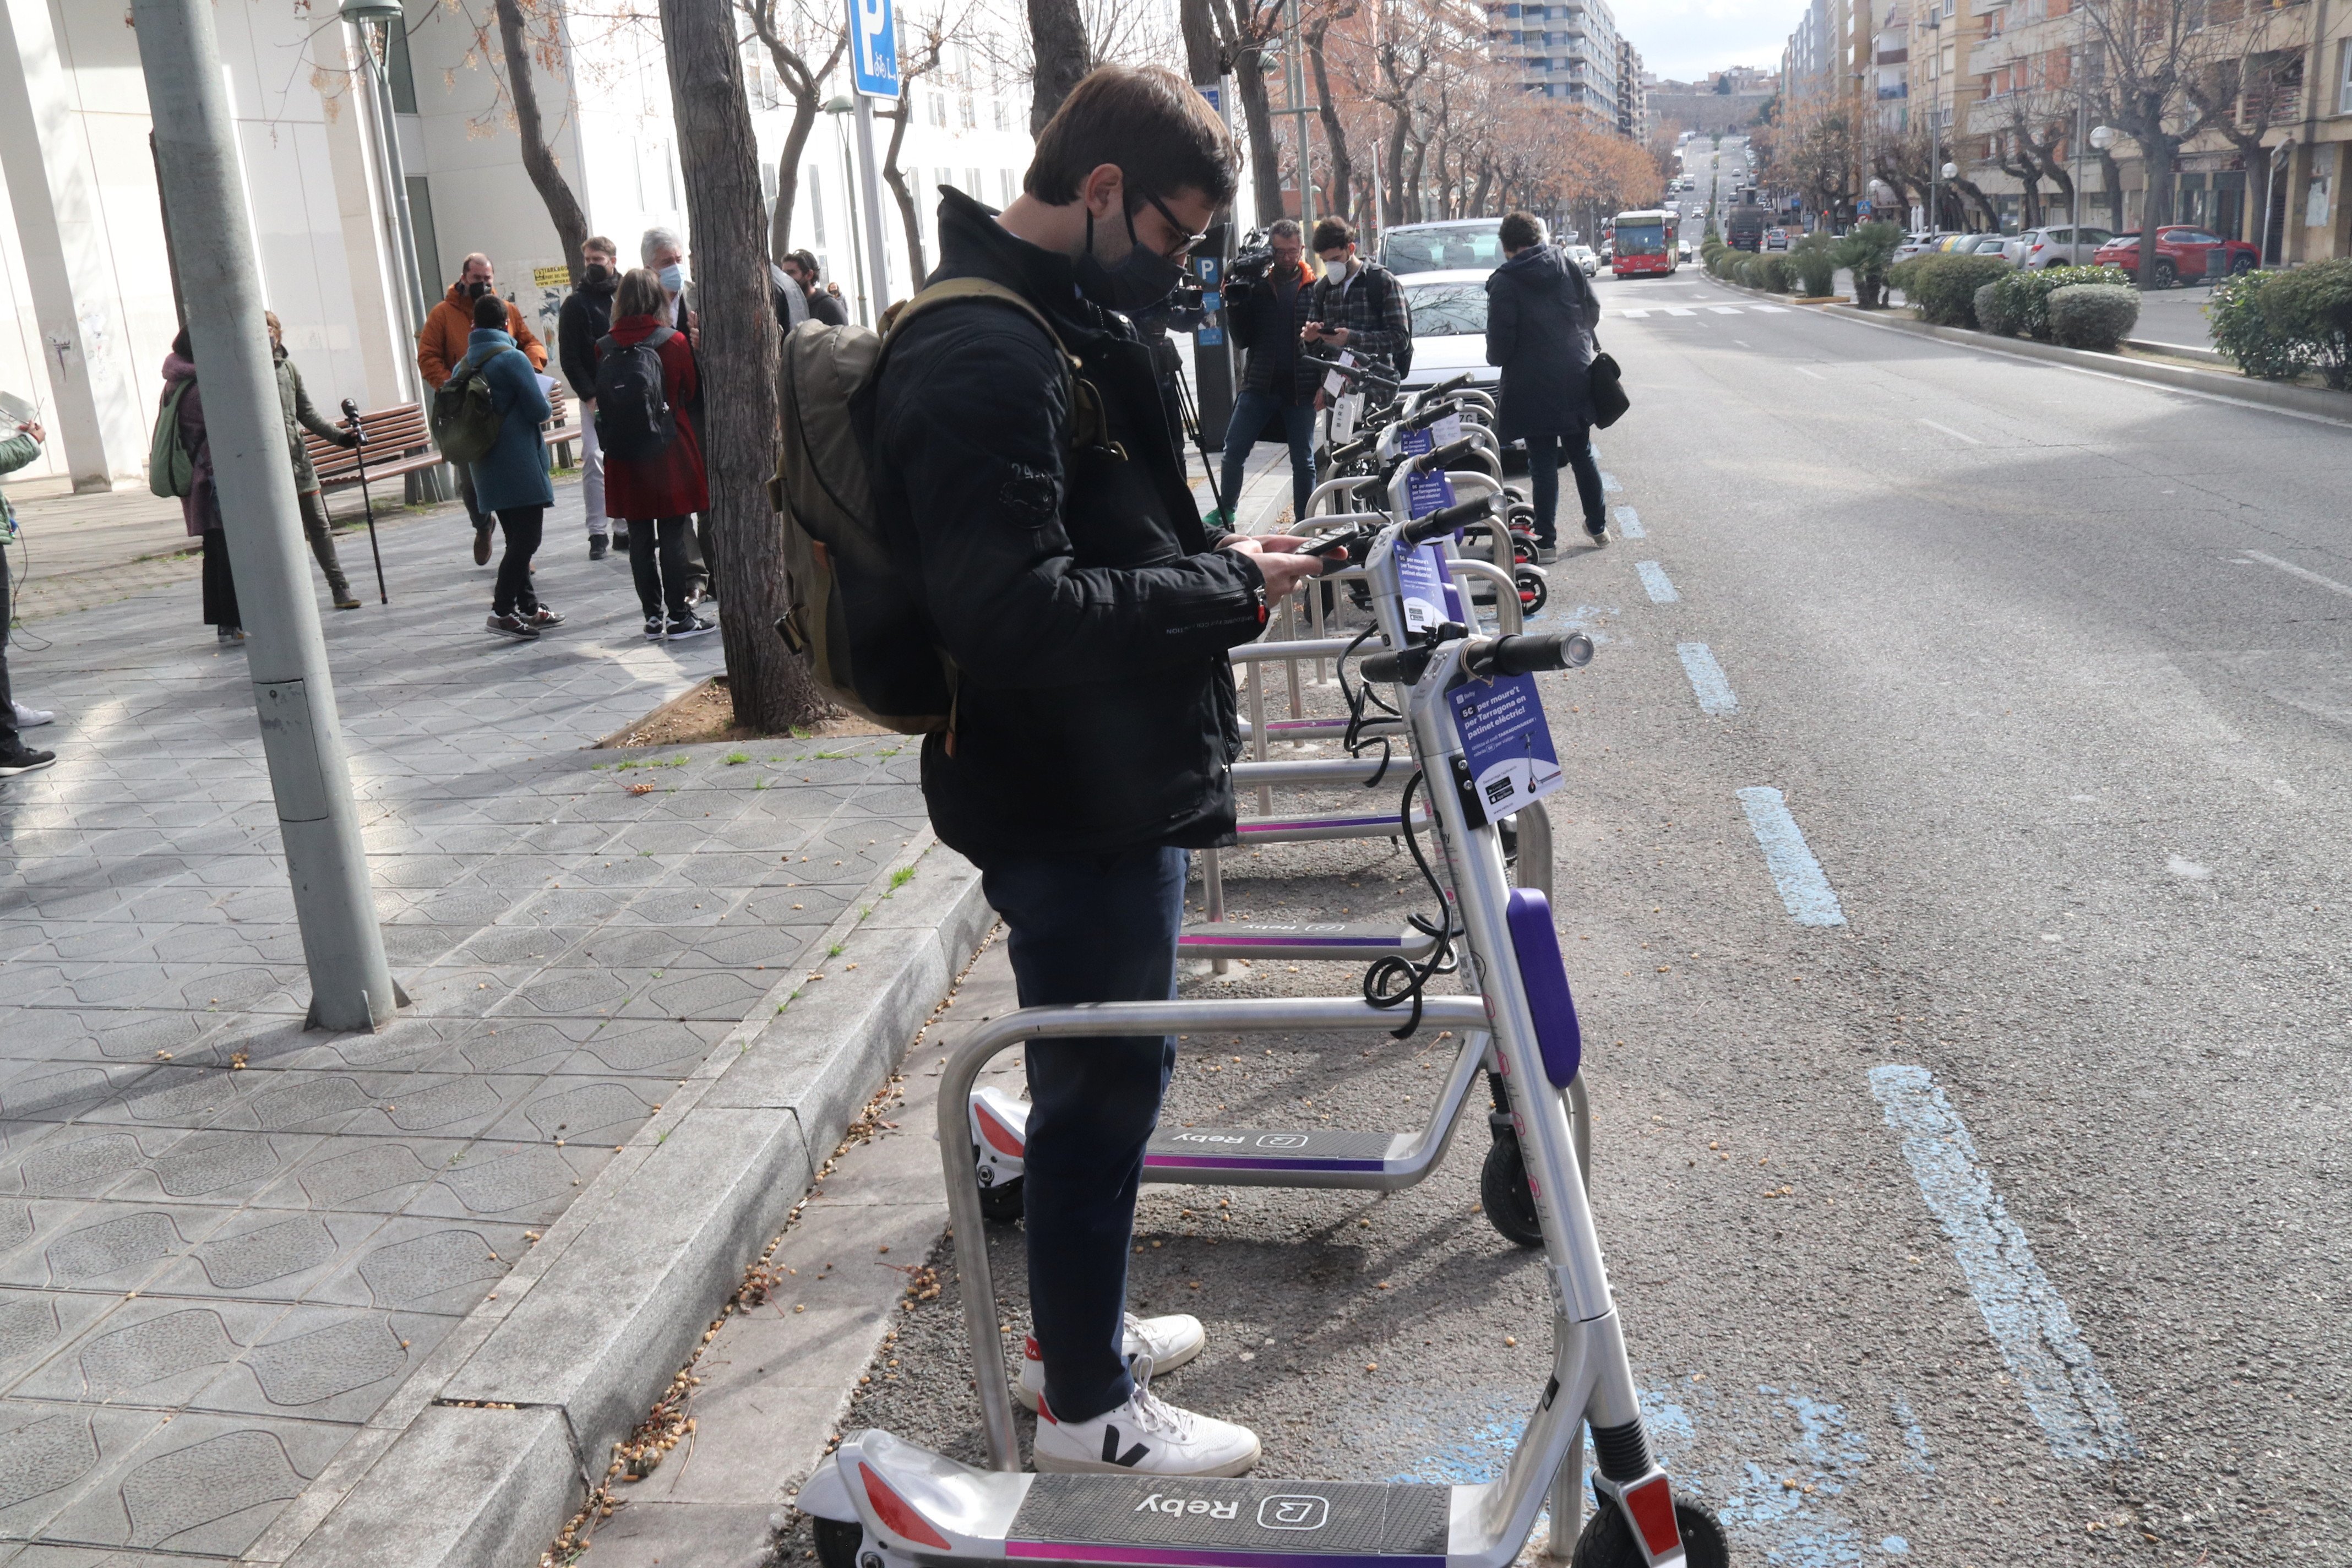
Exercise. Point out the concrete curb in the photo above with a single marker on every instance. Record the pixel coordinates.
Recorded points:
(2307, 402)
(501, 1433)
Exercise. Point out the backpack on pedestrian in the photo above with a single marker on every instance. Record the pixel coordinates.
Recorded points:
(634, 419)
(171, 467)
(853, 616)
(465, 422)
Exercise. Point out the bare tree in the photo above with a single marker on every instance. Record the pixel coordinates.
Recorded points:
(520, 40)
(1244, 31)
(771, 688)
(2155, 50)
(804, 51)
(2243, 98)
(1061, 54)
(912, 67)
(1334, 130)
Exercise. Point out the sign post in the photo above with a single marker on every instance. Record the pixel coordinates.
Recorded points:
(873, 70)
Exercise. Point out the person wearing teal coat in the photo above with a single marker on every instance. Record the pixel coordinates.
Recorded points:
(20, 446)
(512, 480)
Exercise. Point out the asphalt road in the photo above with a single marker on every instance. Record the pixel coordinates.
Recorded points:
(2051, 672)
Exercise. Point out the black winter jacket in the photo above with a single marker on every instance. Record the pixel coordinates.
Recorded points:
(1540, 313)
(1067, 572)
(587, 315)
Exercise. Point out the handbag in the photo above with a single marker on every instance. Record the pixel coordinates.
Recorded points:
(1606, 386)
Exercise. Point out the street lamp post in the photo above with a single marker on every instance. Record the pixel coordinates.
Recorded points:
(839, 105)
(367, 16)
(301, 732)
(2104, 137)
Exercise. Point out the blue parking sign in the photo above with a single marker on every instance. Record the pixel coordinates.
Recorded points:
(874, 48)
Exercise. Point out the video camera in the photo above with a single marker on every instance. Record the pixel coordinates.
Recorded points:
(1248, 269)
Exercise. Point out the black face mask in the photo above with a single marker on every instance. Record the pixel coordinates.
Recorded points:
(1142, 279)
(476, 289)
(594, 272)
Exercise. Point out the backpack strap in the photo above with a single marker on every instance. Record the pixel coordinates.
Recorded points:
(1089, 426)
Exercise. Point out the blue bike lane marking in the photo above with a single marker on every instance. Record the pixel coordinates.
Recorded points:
(1805, 889)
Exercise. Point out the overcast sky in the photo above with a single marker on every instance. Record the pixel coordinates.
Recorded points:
(1683, 39)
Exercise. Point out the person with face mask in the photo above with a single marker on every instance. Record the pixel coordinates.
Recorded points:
(443, 343)
(587, 316)
(664, 255)
(294, 399)
(1035, 506)
(1355, 304)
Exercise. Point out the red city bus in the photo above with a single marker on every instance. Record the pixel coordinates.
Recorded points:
(1643, 245)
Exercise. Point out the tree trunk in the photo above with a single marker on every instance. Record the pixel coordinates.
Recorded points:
(896, 178)
(788, 176)
(1392, 199)
(2157, 156)
(771, 689)
(1201, 56)
(1258, 121)
(1334, 134)
(1057, 38)
(1413, 204)
(2111, 180)
(562, 206)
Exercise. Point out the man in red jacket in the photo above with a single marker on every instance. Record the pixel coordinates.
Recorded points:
(441, 345)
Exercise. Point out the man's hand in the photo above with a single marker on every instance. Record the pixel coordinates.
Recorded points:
(1340, 335)
(1284, 573)
(33, 429)
(1312, 333)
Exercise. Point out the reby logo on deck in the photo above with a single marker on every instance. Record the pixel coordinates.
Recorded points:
(1202, 1138)
(1155, 1503)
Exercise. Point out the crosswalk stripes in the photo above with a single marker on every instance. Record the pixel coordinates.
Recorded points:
(1679, 310)
(1725, 309)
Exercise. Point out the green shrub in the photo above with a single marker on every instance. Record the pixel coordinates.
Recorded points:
(1868, 251)
(2092, 315)
(1774, 275)
(1945, 288)
(1991, 314)
(2243, 334)
(2311, 305)
(1814, 260)
(2024, 296)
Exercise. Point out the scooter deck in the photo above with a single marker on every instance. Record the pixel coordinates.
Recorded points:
(1140, 1520)
(1304, 939)
(1191, 1154)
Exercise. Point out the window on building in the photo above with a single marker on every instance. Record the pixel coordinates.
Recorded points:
(816, 203)
(400, 73)
(429, 243)
(938, 107)
(1004, 187)
(971, 183)
(2344, 82)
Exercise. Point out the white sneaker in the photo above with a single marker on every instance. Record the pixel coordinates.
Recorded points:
(1170, 1341)
(31, 718)
(1145, 1436)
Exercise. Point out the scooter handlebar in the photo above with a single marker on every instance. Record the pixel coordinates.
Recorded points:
(1445, 456)
(1443, 521)
(1451, 384)
(1525, 655)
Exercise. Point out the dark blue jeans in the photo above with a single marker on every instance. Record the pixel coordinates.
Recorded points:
(1091, 929)
(1544, 454)
(1251, 411)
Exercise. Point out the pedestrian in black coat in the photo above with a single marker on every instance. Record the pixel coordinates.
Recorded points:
(1540, 313)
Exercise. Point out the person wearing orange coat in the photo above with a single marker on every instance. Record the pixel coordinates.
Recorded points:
(441, 345)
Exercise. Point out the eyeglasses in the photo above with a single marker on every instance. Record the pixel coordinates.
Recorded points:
(1176, 227)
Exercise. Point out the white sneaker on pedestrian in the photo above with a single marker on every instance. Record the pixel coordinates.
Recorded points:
(31, 718)
(1170, 1341)
(1145, 1436)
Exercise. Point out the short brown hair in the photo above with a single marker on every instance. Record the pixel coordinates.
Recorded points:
(1149, 121)
(1283, 228)
(640, 294)
(1333, 233)
(598, 242)
(489, 313)
(1521, 230)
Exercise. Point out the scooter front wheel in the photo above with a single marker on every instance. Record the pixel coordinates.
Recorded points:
(1607, 1540)
(1503, 1194)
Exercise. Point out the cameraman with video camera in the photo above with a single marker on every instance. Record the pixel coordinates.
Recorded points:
(1266, 305)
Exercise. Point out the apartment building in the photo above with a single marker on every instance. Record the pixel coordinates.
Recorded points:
(1632, 93)
(1567, 51)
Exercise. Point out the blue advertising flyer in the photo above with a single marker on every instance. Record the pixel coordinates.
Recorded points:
(1506, 741)
(1421, 580)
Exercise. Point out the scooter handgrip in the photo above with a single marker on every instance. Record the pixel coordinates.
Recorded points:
(1359, 448)
(1451, 384)
(1523, 655)
(1437, 524)
(1445, 456)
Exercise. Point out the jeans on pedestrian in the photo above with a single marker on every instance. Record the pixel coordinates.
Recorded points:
(521, 525)
(1251, 411)
(220, 584)
(474, 514)
(320, 532)
(8, 739)
(661, 584)
(591, 471)
(1544, 455)
(1089, 929)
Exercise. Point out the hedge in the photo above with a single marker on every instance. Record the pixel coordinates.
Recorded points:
(1991, 315)
(2092, 315)
(2024, 296)
(1867, 250)
(2277, 325)
(1943, 288)
(1814, 260)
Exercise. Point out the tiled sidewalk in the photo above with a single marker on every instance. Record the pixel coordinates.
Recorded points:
(224, 1242)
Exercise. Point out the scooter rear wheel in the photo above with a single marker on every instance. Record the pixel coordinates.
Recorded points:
(837, 1540)
(1000, 1205)
(1504, 1196)
(1607, 1540)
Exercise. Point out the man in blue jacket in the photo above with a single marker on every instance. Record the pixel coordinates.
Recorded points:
(1035, 503)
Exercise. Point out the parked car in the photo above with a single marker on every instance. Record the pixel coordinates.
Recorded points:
(1412, 247)
(1683, 249)
(2055, 247)
(1977, 245)
(1776, 239)
(2181, 252)
(1449, 328)
(1919, 243)
(1586, 262)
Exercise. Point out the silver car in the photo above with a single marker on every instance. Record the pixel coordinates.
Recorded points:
(2056, 247)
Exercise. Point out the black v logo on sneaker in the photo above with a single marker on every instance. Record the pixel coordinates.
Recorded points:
(1111, 1455)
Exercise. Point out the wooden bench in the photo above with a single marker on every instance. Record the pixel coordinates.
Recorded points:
(400, 443)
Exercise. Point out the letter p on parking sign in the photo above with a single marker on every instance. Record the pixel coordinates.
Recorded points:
(874, 52)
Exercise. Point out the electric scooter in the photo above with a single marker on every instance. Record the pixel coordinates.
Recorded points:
(1482, 746)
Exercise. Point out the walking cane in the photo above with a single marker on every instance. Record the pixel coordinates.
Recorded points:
(358, 454)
